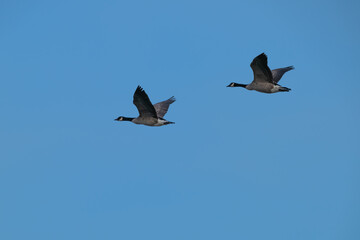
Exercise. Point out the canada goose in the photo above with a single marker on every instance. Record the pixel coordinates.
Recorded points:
(150, 115)
(264, 80)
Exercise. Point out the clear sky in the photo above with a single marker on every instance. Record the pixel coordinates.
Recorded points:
(236, 165)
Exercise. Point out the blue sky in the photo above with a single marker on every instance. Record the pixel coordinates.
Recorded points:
(236, 165)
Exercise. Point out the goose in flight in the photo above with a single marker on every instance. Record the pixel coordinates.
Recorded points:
(150, 115)
(265, 81)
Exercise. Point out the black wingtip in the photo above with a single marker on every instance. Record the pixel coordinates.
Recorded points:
(262, 56)
(173, 99)
(139, 90)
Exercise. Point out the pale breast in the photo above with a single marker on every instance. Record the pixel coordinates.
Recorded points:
(149, 121)
(263, 87)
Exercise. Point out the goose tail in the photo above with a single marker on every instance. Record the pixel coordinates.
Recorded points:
(284, 89)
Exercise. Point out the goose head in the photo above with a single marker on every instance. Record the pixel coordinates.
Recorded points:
(121, 118)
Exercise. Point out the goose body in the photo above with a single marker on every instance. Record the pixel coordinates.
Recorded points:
(265, 80)
(149, 114)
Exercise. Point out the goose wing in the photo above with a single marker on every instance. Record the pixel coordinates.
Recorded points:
(279, 72)
(261, 70)
(162, 107)
(143, 103)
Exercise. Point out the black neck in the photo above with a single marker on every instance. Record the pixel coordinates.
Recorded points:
(240, 85)
(127, 119)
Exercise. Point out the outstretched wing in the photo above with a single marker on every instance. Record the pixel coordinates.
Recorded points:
(143, 103)
(279, 72)
(261, 70)
(162, 107)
